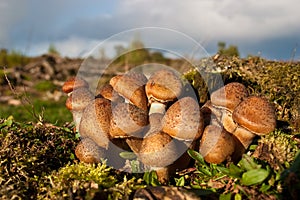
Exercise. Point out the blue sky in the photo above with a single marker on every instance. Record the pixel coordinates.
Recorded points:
(269, 28)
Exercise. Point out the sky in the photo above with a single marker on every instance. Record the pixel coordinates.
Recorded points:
(267, 28)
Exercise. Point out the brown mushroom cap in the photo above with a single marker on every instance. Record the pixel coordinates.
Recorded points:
(132, 88)
(156, 149)
(74, 83)
(95, 121)
(127, 120)
(89, 152)
(183, 120)
(108, 92)
(229, 96)
(255, 114)
(163, 86)
(216, 144)
(79, 99)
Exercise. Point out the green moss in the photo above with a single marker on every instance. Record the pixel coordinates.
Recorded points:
(279, 149)
(28, 153)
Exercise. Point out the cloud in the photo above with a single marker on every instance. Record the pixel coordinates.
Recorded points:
(249, 24)
(11, 11)
(76, 46)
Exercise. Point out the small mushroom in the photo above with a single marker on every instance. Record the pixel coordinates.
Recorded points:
(74, 83)
(89, 152)
(255, 116)
(229, 96)
(95, 122)
(224, 101)
(183, 120)
(108, 92)
(77, 101)
(157, 150)
(127, 121)
(216, 144)
(132, 87)
(162, 87)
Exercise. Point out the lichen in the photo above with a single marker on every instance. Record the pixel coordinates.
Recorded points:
(278, 149)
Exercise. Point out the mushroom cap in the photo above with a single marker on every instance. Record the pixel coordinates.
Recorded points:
(255, 114)
(95, 121)
(229, 96)
(74, 83)
(79, 99)
(216, 144)
(127, 120)
(138, 76)
(183, 120)
(132, 88)
(89, 152)
(156, 150)
(163, 86)
(109, 93)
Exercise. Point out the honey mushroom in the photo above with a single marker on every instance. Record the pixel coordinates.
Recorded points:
(156, 150)
(95, 122)
(162, 87)
(183, 120)
(107, 92)
(74, 83)
(127, 120)
(79, 96)
(89, 152)
(224, 101)
(132, 87)
(216, 144)
(254, 116)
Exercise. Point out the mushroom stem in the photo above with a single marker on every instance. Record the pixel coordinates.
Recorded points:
(157, 107)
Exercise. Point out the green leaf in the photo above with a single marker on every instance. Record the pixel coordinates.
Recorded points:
(196, 156)
(237, 196)
(254, 176)
(72, 156)
(223, 170)
(151, 178)
(225, 196)
(264, 188)
(204, 171)
(248, 163)
(8, 122)
(235, 171)
(180, 181)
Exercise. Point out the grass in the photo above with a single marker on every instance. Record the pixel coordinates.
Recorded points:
(51, 112)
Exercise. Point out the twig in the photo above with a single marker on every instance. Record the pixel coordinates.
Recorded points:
(24, 100)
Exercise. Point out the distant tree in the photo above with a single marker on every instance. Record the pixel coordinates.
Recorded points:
(12, 58)
(120, 49)
(52, 49)
(157, 56)
(232, 50)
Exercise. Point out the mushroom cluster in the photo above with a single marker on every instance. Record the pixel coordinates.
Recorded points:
(153, 118)
(236, 118)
